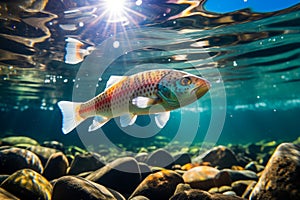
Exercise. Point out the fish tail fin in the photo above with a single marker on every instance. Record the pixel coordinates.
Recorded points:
(70, 113)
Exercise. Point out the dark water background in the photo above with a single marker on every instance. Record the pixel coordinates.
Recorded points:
(256, 54)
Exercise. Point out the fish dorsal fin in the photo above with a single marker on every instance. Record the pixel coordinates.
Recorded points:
(127, 119)
(162, 118)
(112, 80)
(143, 102)
(98, 122)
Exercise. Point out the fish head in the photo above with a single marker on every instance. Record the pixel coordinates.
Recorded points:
(180, 88)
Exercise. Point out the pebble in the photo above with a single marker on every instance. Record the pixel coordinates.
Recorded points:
(220, 156)
(14, 159)
(43, 153)
(160, 185)
(75, 188)
(28, 184)
(142, 157)
(182, 158)
(54, 145)
(122, 175)
(280, 179)
(240, 186)
(201, 177)
(56, 166)
(160, 158)
(85, 163)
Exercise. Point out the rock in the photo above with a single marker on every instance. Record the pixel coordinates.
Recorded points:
(142, 157)
(227, 176)
(229, 193)
(54, 145)
(28, 184)
(254, 166)
(3, 177)
(14, 159)
(248, 190)
(139, 198)
(75, 188)
(219, 156)
(14, 140)
(181, 187)
(224, 188)
(195, 194)
(4, 195)
(239, 187)
(280, 178)
(160, 185)
(182, 158)
(201, 177)
(145, 170)
(43, 153)
(122, 175)
(160, 158)
(56, 166)
(85, 162)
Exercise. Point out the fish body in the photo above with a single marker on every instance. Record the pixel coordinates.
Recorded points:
(149, 92)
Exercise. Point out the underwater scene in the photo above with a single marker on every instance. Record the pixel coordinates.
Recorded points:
(149, 99)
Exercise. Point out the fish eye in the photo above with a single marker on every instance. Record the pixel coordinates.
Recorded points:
(185, 81)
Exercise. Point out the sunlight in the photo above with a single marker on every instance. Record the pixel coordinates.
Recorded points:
(116, 10)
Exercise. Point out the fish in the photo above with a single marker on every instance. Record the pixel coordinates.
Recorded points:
(149, 92)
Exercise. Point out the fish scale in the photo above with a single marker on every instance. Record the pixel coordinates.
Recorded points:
(134, 95)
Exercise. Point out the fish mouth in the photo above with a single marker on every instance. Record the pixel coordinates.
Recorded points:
(201, 89)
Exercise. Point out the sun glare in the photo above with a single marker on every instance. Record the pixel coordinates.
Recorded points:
(116, 10)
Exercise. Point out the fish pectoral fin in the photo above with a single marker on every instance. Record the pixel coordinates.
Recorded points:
(162, 118)
(112, 80)
(144, 102)
(98, 122)
(127, 119)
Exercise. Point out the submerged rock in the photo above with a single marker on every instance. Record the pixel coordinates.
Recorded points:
(56, 166)
(85, 162)
(43, 153)
(4, 195)
(27, 185)
(14, 159)
(220, 156)
(280, 178)
(160, 185)
(76, 188)
(160, 158)
(195, 194)
(15, 140)
(182, 158)
(54, 145)
(122, 175)
(201, 177)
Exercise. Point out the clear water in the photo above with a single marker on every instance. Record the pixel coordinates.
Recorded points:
(252, 60)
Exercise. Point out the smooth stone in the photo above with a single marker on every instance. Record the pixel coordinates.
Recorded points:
(76, 188)
(56, 166)
(4, 195)
(14, 140)
(43, 153)
(160, 158)
(280, 178)
(182, 158)
(239, 187)
(195, 194)
(139, 198)
(27, 185)
(228, 176)
(54, 145)
(220, 156)
(3, 177)
(181, 187)
(14, 159)
(145, 170)
(85, 162)
(254, 166)
(229, 193)
(142, 157)
(248, 190)
(201, 177)
(122, 175)
(224, 188)
(160, 185)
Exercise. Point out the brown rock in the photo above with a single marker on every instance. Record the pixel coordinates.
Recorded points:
(201, 177)
(239, 187)
(160, 185)
(56, 166)
(280, 178)
(43, 153)
(27, 185)
(219, 156)
(14, 159)
(75, 188)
